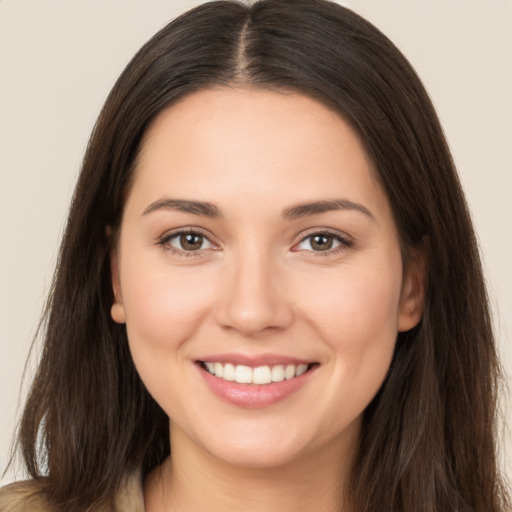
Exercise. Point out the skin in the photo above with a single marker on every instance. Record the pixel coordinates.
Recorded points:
(258, 285)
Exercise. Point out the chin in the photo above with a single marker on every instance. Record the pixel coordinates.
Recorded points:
(268, 444)
(257, 455)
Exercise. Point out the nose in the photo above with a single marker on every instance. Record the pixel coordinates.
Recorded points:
(253, 297)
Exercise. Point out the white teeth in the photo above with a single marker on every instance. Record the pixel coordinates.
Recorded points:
(301, 369)
(289, 372)
(243, 374)
(259, 375)
(277, 373)
(228, 372)
(218, 369)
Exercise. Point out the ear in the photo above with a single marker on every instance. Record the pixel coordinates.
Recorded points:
(413, 292)
(117, 310)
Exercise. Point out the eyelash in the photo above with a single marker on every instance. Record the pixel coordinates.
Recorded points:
(165, 242)
(344, 243)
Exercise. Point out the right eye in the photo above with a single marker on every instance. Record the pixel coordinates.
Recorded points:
(186, 242)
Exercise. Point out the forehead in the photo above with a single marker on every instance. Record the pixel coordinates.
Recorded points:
(271, 147)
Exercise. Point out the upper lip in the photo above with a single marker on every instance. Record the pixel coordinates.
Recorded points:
(254, 361)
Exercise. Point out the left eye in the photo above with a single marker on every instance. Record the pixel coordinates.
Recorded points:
(320, 242)
(189, 242)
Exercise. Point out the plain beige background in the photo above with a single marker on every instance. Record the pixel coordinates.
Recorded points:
(59, 59)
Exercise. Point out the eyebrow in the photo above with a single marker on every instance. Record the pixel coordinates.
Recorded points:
(201, 208)
(205, 209)
(317, 207)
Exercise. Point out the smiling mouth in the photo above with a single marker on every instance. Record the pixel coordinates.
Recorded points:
(260, 375)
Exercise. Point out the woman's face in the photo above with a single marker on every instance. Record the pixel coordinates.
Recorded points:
(257, 245)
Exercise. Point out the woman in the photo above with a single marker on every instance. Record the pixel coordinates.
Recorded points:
(268, 245)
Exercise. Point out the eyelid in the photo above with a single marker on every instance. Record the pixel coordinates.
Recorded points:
(168, 235)
(345, 241)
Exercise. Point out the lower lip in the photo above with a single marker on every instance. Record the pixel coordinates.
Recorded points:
(253, 396)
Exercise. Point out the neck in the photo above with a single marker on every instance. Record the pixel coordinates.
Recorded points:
(194, 480)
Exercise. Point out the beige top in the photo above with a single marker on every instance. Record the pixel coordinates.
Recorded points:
(25, 497)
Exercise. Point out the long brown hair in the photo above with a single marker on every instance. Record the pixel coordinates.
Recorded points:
(428, 439)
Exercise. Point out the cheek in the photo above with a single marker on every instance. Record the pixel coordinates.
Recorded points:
(356, 316)
(163, 309)
(163, 313)
(354, 307)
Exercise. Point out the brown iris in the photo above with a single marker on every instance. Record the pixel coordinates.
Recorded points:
(321, 242)
(191, 241)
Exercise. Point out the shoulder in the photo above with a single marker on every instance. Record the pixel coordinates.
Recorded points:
(27, 496)
(130, 497)
(23, 497)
